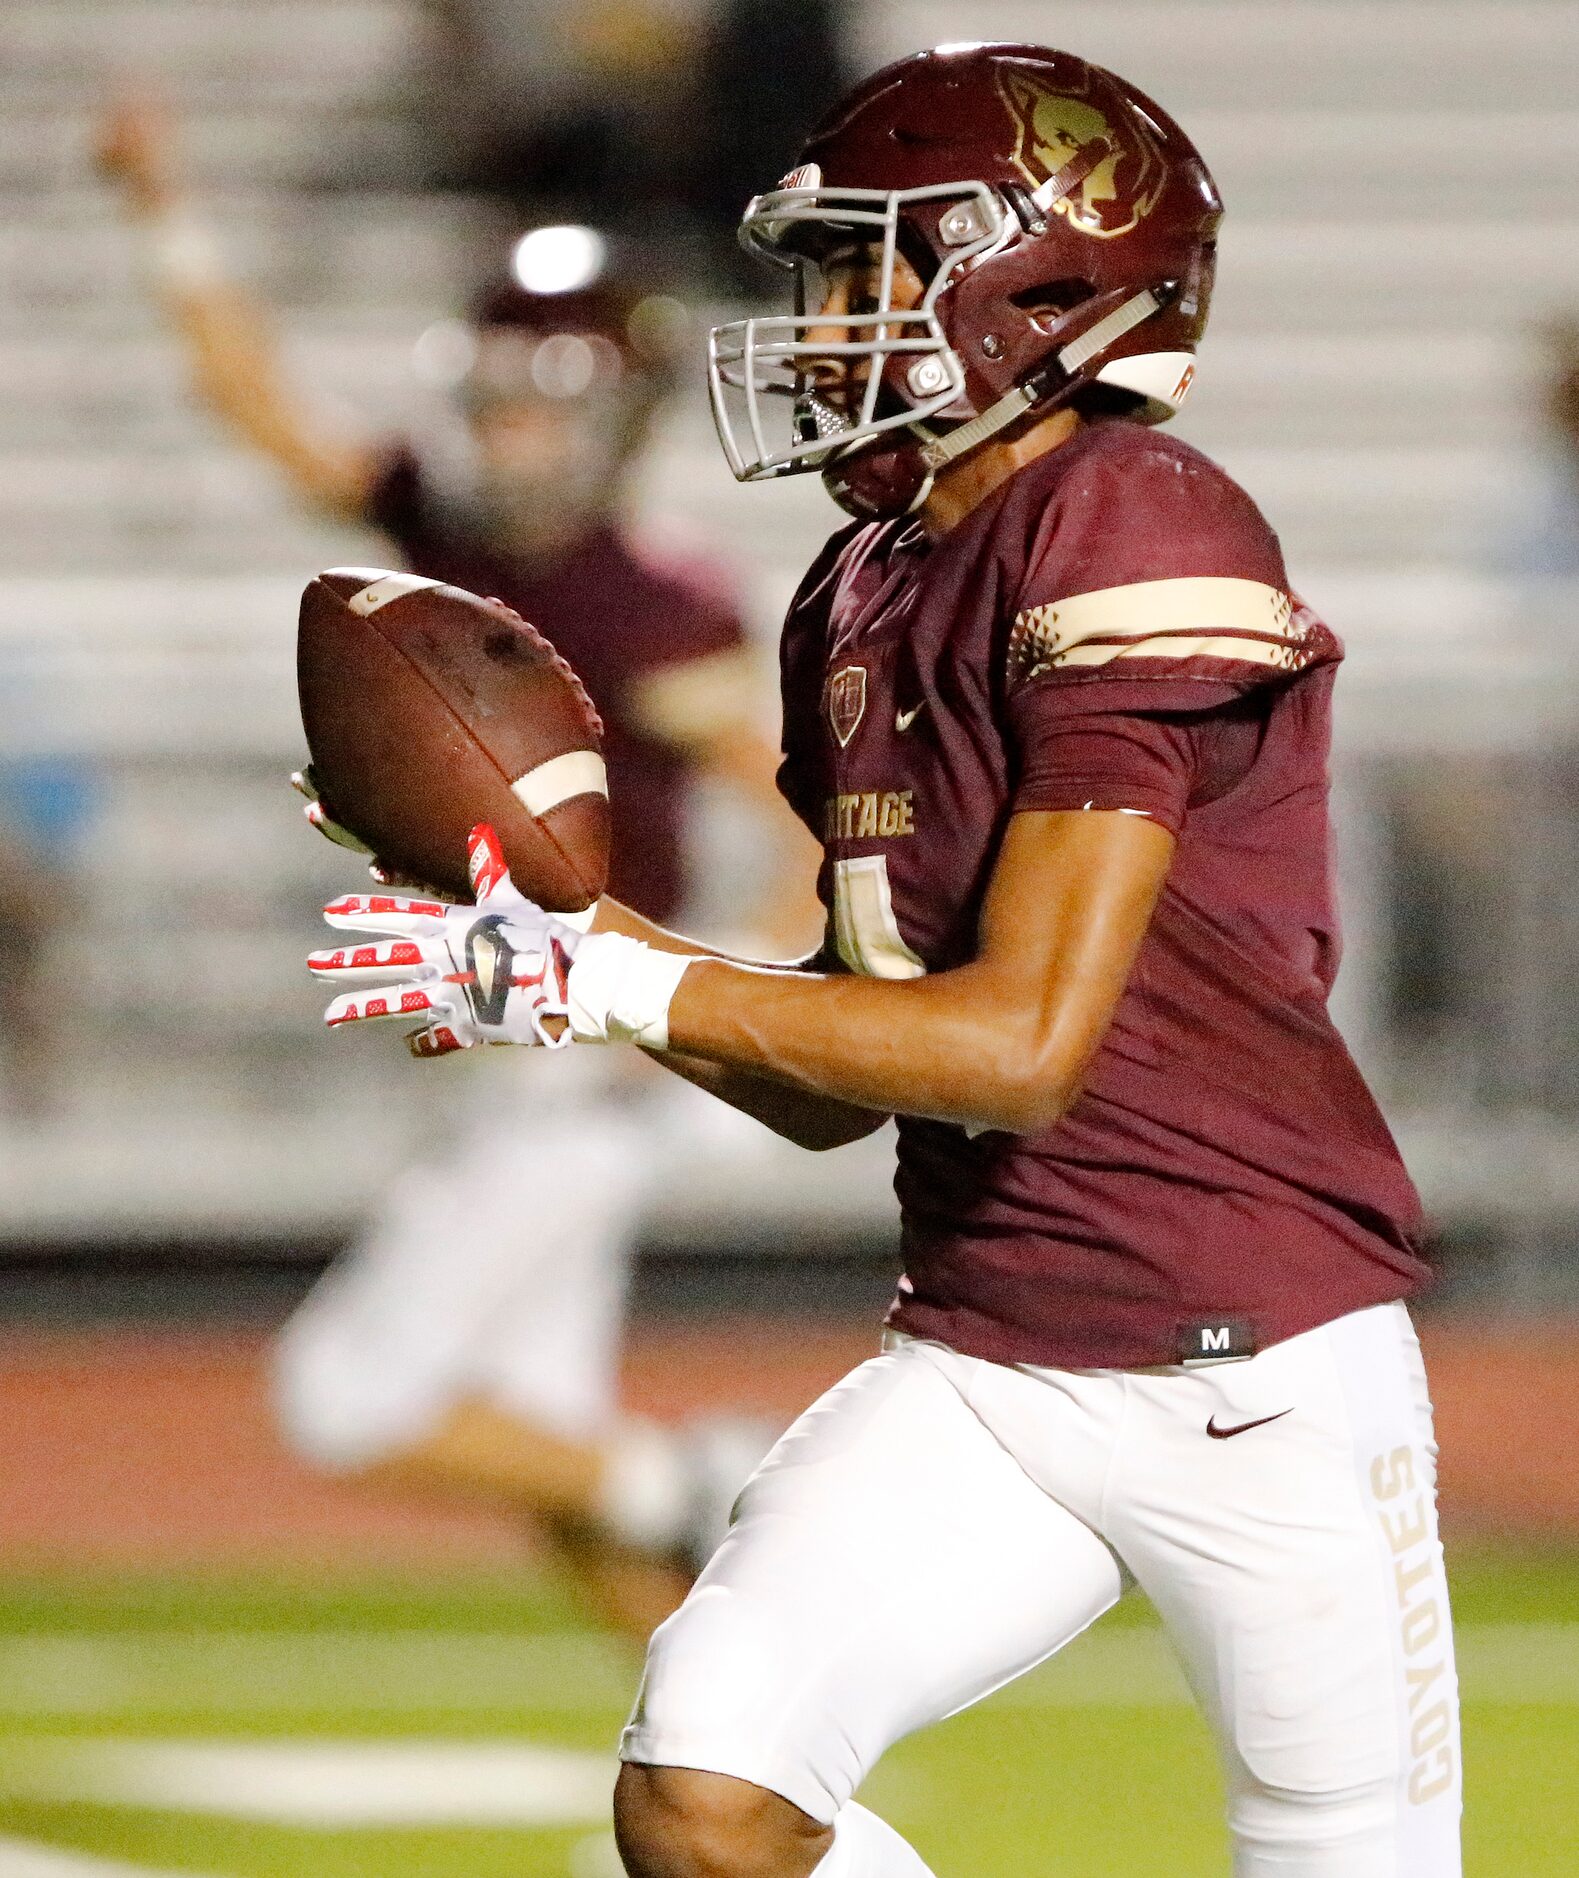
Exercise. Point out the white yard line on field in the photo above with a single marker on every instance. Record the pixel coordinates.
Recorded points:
(21, 1858)
(264, 1672)
(327, 1785)
(508, 1780)
(285, 1676)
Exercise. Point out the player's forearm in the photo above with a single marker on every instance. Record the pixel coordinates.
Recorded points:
(814, 1122)
(810, 1120)
(958, 1047)
(999, 1043)
(612, 916)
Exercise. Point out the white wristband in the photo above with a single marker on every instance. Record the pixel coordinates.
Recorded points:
(582, 921)
(620, 991)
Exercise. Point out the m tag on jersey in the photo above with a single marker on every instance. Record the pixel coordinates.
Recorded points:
(1216, 1340)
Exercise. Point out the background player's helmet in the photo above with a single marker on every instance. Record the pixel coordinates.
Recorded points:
(1062, 227)
(564, 356)
(572, 311)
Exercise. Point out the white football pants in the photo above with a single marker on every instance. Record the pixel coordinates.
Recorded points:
(496, 1270)
(936, 1525)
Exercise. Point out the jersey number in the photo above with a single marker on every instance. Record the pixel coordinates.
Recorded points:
(864, 927)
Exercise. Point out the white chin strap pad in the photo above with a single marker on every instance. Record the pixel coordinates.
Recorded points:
(1163, 379)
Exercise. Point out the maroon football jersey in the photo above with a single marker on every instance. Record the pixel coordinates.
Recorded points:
(619, 619)
(1111, 629)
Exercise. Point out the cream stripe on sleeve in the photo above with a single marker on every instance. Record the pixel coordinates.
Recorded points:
(1198, 617)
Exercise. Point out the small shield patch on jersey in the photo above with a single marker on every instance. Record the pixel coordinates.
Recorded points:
(846, 702)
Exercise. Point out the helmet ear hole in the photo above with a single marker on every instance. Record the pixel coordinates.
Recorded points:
(1048, 302)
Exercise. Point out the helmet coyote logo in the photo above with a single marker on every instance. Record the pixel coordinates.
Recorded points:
(1100, 169)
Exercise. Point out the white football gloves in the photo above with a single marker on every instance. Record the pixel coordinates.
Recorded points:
(499, 971)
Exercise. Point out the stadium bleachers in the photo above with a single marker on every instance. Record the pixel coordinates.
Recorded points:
(1391, 244)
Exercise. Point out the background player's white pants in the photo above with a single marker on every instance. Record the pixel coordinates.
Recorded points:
(936, 1525)
(496, 1270)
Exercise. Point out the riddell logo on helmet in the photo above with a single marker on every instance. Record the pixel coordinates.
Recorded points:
(808, 176)
(1097, 167)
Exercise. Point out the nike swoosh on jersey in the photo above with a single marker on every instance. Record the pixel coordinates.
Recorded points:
(1241, 1428)
(904, 719)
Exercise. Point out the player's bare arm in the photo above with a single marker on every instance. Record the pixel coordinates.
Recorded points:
(235, 356)
(998, 1043)
(812, 1121)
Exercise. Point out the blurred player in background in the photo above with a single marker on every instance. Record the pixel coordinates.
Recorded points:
(470, 1340)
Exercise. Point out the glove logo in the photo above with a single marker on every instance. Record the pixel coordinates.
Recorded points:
(490, 967)
(1080, 164)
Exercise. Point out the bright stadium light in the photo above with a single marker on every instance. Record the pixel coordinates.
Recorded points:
(559, 259)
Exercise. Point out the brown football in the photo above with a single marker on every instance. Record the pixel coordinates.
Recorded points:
(428, 710)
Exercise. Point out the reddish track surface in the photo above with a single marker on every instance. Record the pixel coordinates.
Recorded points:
(124, 1448)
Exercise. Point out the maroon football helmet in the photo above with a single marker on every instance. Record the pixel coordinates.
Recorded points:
(571, 311)
(1063, 231)
(552, 381)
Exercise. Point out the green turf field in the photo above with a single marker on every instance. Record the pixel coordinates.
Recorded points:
(464, 1731)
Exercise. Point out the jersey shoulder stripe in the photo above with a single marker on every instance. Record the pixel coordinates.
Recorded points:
(1194, 617)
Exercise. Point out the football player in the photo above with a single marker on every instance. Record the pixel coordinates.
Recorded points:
(1062, 726)
(470, 1340)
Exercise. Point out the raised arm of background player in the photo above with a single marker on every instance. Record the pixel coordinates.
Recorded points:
(235, 357)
